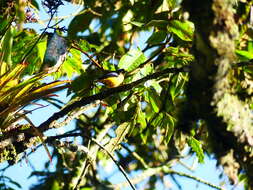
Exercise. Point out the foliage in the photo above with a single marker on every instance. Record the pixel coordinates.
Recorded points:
(189, 90)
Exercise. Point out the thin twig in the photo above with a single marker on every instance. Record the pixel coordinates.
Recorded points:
(75, 114)
(156, 53)
(142, 176)
(165, 169)
(41, 35)
(176, 182)
(194, 178)
(75, 46)
(147, 173)
(94, 12)
(186, 166)
(40, 135)
(136, 156)
(102, 147)
(92, 154)
(116, 162)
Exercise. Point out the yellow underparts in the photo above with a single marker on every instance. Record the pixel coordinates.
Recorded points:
(112, 82)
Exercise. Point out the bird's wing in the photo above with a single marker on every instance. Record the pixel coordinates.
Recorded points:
(111, 74)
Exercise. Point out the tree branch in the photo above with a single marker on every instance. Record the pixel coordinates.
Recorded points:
(165, 169)
(193, 177)
(75, 46)
(11, 136)
(104, 94)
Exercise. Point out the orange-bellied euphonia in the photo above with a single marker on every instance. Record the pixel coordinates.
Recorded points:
(113, 79)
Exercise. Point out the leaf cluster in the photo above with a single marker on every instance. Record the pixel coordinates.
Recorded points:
(159, 115)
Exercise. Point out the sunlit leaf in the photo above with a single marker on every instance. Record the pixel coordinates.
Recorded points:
(121, 132)
(172, 3)
(183, 30)
(55, 185)
(84, 45)
(135, 23)
(41, 49)
(196, 147)
(73, 63)
(132, 60)
(244, 54)
(157, 120)
(154, 100)
(48, 86)
(6, 50)
(161, 24)
(12, 75)
(141, 118)
(157, 37)
(168, 124)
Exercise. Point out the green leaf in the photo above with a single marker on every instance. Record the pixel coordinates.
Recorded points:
(196, 147)
(154, 100)
(135, 23)
(55, 185)
(157, 121)
(83, 82)
(176, 86)
(42, 45)
(131, 60)
(157, 37)
(121, 132)
(145, 136)
(79, 24)
(168, 124)
(248, 69)
(108, 66)
(141, 118)
(182, 29)
(124, 116)
(155, 85)
(245, 55)
(3, 25)
(84, 45)
(35, 4)
(144, 71)
(172, 4)
(250, 46)
(73, 63)
(7, 46)
(161, 24)
(148, 69)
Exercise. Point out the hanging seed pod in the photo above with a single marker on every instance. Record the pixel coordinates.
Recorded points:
(56, 50)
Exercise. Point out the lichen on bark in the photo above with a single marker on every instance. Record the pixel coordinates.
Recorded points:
(211, 92)
(235, 112)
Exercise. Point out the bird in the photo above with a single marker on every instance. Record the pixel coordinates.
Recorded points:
(113, 79)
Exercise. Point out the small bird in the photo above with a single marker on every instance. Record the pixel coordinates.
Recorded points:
(113, 79)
